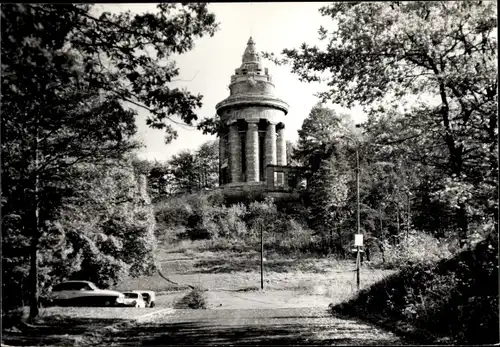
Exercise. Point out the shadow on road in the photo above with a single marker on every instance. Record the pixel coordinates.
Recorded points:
(54, 331)
(191, 333)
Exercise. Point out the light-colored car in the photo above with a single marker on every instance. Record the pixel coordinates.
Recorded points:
(84, 293)
(148, 296)
(133, 299)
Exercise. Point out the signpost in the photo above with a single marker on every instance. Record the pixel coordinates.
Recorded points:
(358, 242)
(261, 257)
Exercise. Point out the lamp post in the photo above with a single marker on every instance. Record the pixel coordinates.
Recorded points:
(358, 208)
(358, 203)
(358, 255)
(357, 191)
(261, 257)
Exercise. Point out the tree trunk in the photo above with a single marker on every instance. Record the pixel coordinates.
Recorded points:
(33, 279)
(33, 219)
(397, 220)
(408, 221)
(340, 243)
(382, 236)
(331, 240)
(381, 246)
(462, 224)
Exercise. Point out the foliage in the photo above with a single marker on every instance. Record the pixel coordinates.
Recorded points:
(236, 226)
(65, 75)
(102, 232)
(414, 248)
(427, 74)
(184, 173)
(193, 171)
(197, 299)
(319, 136)
(455, 298)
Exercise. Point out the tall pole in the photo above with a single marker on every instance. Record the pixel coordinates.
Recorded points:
(358, 256)
(358, 260)
(357, 190)
(261, 257)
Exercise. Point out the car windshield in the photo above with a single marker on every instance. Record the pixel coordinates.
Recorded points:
(74, 285)
(131, 295)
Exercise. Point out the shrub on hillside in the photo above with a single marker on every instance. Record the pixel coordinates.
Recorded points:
(195, 299)
(415, 248)
(456, 298)
(202, 216)
(171, 213)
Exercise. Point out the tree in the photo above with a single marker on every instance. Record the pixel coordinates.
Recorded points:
(65, 75)
(184, 172)
(318, 136)
(158, 177)
(207, 157)
(442, 53)
(192, 171)
(324, 148)
(108, 223)
(331, 192)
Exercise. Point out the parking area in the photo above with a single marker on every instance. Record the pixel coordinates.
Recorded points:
(163, 301)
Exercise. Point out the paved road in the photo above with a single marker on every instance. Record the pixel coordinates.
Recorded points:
(284, 326)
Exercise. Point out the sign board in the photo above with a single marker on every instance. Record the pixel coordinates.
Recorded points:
(358, 240)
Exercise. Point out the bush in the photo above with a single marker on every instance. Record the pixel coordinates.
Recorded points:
(416, 248)
(195, 299)
(203, 216)
(455, 298)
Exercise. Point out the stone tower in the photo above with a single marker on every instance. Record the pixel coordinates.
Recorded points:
(253, 132)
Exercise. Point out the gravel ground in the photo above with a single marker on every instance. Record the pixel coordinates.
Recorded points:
(264, 300)
(284, 326)
(166, 300)
(291, 310)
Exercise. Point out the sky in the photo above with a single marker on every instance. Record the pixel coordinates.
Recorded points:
(207, 68)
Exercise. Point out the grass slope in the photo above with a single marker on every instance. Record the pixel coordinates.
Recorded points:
(455, 300)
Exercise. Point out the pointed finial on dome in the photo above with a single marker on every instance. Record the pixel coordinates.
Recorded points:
(250, 55)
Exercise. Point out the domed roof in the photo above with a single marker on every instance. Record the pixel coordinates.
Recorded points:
(250, 55)
(251, 84)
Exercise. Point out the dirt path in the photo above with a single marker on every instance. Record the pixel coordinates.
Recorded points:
(220, 299)
(291, 310)
(282, 326)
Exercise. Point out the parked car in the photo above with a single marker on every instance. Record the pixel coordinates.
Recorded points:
(148, 296)
(84, 293)
(133, 299)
